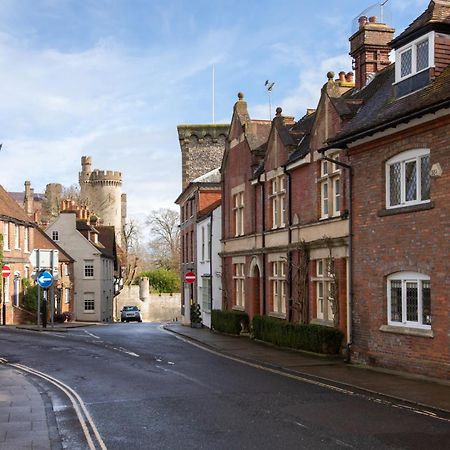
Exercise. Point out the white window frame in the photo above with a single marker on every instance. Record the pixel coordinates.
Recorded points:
(278, 201)
(323, 280)
(239, 284)
(89, 297)
(55, 235)
(203, 244)
(26, 239)
(238, 208)
(208, 241)
(88, 266)
(6, 236)
(330, 174)
(206, 293)
(403, 158)
(66, 295)
(16, 237)
(413, 47)
(404, 278)
(278, 286)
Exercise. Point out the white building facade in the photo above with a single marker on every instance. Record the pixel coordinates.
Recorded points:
(209, 264)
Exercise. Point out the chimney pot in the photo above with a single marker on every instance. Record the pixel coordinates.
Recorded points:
(342, 76)
(349, 77)
(362, 21)
(373, 19)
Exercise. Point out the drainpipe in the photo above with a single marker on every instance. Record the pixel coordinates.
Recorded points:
(210, 261)
(263, 237)
(289, 252)
(350, 251)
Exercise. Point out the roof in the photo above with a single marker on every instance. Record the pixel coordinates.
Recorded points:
(210, 177)
(107, 237)
(10, 209)
(437, 13)
(207, 211)
(381, 109)
(19, 196)
(257, 132)
(302, 129)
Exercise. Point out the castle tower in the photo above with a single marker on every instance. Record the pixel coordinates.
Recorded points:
(202, 148)
(101, 191)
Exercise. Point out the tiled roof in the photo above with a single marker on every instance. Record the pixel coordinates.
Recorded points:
(106, 236)
(42, 241)
(302, 132)
(257, 132)
(381, 109)
(10, 208)
(438, 11)
(211, 177)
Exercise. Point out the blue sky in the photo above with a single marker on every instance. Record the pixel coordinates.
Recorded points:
(113, 78)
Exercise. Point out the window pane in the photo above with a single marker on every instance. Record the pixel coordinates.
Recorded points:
(337, 195)
(411, 181)
(425, 177)
(426, 303)
(325, 198)
(412, 302)
(396, 301)
(422, 55)
(394, 184)
(405, 63)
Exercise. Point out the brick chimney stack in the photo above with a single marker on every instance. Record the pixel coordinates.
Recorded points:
(369, 47)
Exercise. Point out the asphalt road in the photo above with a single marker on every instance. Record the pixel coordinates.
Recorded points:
(146, 389)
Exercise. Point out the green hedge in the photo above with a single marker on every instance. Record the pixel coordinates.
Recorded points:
(312, 338)
(230, 322)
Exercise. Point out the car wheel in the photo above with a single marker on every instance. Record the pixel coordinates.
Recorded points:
(140, 320)
(122, 320)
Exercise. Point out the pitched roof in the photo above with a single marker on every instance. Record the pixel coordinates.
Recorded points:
(212, 176)
(10, 209)
(438, 12)
(42, 241)
(302, 130)
(382, 109)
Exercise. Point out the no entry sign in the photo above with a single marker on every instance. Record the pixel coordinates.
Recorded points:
(189, 277)
(6, 271)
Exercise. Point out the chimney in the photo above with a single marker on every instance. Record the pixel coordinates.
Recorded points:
(369, 48)
(28, 200)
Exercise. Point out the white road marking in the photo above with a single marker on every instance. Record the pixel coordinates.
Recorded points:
(311, 381)
(300, 425)
(90, 334)
(171, 363)
(123, 350)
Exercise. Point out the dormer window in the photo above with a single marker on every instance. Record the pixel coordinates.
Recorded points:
(414, 57)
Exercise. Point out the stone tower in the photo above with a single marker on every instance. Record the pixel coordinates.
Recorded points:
(202, 148)
(101, 190)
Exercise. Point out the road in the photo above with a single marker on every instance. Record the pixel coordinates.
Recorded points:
(146, 389)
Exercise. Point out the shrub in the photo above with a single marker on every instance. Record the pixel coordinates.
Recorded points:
(68, 316)
(30, 298)
(196, 315)
(310, 337)
(231, 322)
(59, 318)
(163, 281)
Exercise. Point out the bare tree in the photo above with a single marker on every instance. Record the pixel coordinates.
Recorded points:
(165, 242)
(130, 247)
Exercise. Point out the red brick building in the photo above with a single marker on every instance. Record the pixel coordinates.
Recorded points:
(398, 145)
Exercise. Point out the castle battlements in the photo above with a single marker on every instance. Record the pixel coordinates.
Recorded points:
(106, 176)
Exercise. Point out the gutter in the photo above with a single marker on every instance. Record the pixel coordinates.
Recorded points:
(350, 251)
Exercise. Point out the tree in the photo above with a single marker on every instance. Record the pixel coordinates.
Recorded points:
(165, 243)
(130, 246)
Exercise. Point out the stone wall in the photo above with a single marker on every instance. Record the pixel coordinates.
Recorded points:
(154, 308)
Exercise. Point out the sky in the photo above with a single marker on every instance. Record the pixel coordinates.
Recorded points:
(113, 78)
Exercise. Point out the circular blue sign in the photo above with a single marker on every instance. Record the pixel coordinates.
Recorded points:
(45, 279)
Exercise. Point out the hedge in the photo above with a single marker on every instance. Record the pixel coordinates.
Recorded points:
(310, 337)
(231, 322)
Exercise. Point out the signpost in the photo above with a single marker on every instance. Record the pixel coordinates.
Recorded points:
(44, 279)
(189, 277)
(6, 272)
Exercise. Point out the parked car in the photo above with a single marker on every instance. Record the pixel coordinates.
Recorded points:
(130, 313)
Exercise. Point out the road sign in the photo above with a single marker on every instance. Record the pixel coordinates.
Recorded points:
(42, 259)
(6, 271)
(45, 279)
(189, 277)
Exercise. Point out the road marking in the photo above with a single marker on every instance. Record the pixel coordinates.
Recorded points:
(123, 350)
(301, 425)
(76, 401)
(90, 334)
(312, 381)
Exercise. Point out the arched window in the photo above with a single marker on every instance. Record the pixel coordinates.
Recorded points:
(409, 300)
(408, 178)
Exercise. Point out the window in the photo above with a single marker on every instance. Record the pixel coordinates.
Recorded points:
(330, 189)
(89, 302)
(5, 235)
(26, 239)
(278, 203)
(206, 293)
(238, 210)
(88, 269)
(409, 300)
(16, 236)
(324, 290)
(239, 287)
(208, 241)
(65, 269)
(278, 287)
(55, 235)
(415, 57)
(66, 295)
(408, 179)
(203, 243)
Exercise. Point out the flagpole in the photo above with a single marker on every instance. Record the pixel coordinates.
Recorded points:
(213, 94)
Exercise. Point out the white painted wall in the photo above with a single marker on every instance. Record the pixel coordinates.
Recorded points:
(209, 268)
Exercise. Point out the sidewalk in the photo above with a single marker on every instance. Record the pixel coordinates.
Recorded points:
(23, 418)
(59, 327)
(395, 385)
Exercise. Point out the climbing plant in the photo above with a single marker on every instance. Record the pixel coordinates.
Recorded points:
(333, 294)
(300, 279)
